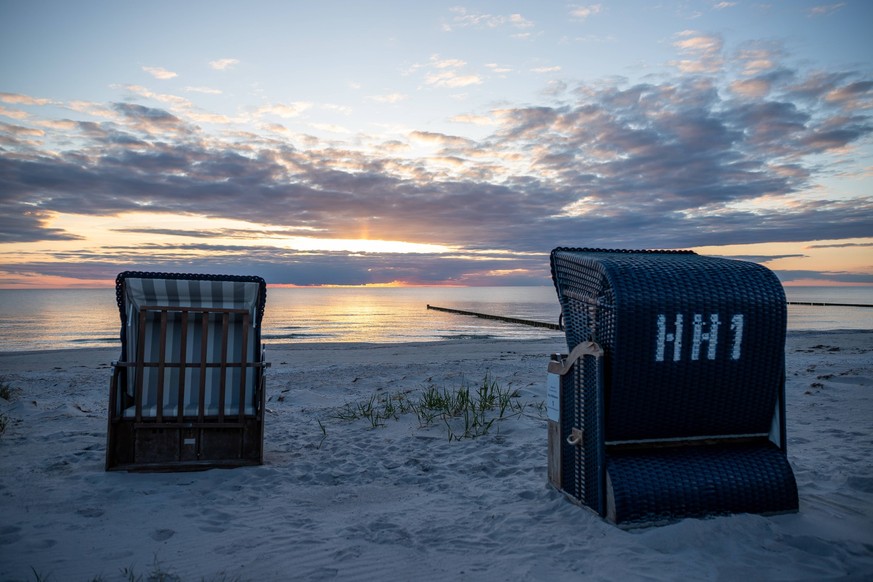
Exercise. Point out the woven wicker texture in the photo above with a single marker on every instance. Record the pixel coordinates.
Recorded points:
(693, 364)
(630, 304)
(700, 481)
(582, 465)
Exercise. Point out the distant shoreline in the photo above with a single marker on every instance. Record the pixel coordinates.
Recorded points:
(42, 320)
(315, 345)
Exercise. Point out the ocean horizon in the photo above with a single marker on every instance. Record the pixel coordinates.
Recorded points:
(52, 319)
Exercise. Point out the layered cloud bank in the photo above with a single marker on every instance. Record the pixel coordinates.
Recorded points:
(726, 147)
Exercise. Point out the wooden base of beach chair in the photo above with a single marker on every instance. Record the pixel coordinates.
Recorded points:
(185, 447)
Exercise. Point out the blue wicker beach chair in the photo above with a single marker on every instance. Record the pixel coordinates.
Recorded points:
(671, 402)
(188, 391)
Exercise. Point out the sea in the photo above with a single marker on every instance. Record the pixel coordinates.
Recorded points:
(57, 319)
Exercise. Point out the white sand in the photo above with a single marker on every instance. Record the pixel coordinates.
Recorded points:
(402, 502)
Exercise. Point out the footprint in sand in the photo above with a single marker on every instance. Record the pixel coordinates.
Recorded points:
(9, 534)
(160, 535)
(863, 484)
(90, 512)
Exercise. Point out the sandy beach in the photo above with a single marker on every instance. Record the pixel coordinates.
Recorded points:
(338, 499)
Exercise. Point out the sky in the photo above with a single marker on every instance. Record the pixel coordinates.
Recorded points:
(431, 143)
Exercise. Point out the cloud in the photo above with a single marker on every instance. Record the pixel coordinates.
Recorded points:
(20, 223)
(343, 109)
(499, 69)
(283, 110)
(473, 119)
(763, 258)
(204, 90)
(277, 265)
(203, 117)
(331, 127)
(463, 18)
(583, 13)
(223, 64)
(442, 72)
(18, 99)
(757, 60)
(160, 73)
(448, 141)
(841, 245)
(451, 79)
(447, 63)
(149, 119)
(388, 98)
(91, 108)
(554, 69)
(704, 50)
(20, 131)
(19, 137)
(759, 86)
(13, 113)
(825, 278)
(676, 162)
(852, 96)
(825, 9)
(166, 98)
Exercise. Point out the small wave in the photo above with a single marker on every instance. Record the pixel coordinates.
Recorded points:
(286, 336)
(468, 336)
(96, 340)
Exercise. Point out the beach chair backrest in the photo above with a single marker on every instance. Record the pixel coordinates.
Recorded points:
(191, 342)
(694, 346)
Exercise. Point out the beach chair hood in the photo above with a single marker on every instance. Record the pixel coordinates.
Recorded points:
(136, 289)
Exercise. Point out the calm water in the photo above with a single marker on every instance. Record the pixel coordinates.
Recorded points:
(56, 319)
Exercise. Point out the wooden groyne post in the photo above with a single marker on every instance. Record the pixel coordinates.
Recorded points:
(543, 324)
(557, 327)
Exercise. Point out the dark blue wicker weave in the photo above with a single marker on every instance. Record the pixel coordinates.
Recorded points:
(682, 423)
(582, 394)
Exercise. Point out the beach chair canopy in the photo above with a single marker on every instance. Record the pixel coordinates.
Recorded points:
(188, 390)
(682, 407)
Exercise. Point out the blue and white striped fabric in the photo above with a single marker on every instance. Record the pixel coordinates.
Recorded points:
(141, 292)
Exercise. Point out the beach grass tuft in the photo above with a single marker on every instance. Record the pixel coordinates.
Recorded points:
(5, 389)
(377, 409)
(129, 574)
(5, 394)
(323, 433)
(466, 412)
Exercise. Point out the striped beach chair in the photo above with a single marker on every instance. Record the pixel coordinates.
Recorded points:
(671, 400)
(188, 390)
